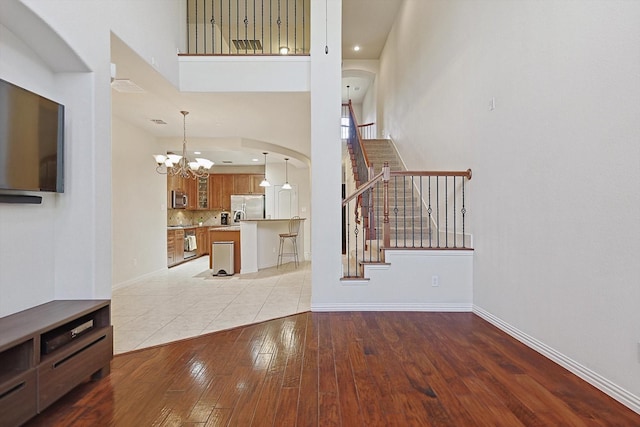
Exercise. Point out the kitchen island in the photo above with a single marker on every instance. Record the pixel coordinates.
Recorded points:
(259, 241)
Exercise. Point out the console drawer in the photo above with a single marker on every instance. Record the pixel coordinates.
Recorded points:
(63, 370)
(18, 399)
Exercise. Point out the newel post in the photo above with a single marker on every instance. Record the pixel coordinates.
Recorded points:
(386, 175)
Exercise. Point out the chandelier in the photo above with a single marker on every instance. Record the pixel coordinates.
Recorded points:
(180, 165)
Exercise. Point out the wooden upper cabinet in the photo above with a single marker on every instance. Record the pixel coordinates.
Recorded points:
(247, 184)
(173, 183)
(241, 184)
(202, 192)
(227, 191)
(255, 184)
(192, 193)
(220, 191)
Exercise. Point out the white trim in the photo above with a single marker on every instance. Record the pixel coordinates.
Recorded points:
(138, 279)
(354, 282)
(616, 392)
(429, 252)
(424, 307)
(246, 58)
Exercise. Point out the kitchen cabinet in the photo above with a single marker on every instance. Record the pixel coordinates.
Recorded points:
(202, 193)
(255, 184)
(220, 191)
(247, 184)
(241, 184)
(179, 245)
(175, 247)
(171, 247)
(192, 193)
(202, 241)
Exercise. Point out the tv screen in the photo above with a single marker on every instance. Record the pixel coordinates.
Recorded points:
(31, 141)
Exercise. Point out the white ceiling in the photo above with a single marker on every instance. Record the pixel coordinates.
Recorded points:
(367, 23)
(238, 127)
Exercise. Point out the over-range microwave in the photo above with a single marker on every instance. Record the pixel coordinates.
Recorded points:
(178, 199)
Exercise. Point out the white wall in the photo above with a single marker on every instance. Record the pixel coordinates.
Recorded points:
(299, 178)
(555, 164)
(368, 109)
(244, 74)
(69, 235)
(27, 232)
(139, 206)
(326, 170)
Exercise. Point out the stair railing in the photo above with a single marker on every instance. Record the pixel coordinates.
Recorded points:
(360, 165)
(409, 210)
(367, 131)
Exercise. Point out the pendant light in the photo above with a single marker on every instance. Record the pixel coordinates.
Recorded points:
(286, 185)
(264, 182)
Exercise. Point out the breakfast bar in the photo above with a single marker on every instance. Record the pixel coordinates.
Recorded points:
(259, 242)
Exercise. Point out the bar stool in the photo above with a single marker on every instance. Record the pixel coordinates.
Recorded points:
(294, 227)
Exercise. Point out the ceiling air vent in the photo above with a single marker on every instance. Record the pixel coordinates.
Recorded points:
(228, 162)
(126, 85)
(247, 44)
(159, 121)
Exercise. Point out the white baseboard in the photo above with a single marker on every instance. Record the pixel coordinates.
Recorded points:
(137, 279)
(426, 307)
(616, 392)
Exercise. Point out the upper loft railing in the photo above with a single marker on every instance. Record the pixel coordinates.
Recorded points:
(248, 27)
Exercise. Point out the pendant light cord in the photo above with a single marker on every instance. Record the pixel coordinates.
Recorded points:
(326, 28)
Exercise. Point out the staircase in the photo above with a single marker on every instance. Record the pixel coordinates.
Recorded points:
(425, 209)
(408, 216)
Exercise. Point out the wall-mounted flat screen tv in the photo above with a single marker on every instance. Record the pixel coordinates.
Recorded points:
(31, 141)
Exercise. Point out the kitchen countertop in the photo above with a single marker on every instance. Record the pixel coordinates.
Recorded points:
(180, 227)
(268, 219)
(224, 228)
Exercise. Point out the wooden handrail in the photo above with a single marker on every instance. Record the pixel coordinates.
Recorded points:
(466, 174)
(364, 187)
(364, 153)
(369, 184)
(366, 124)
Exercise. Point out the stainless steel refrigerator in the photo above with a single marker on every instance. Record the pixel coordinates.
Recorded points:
(247, 207)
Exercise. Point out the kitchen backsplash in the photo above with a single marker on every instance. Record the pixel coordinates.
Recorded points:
(185, 217)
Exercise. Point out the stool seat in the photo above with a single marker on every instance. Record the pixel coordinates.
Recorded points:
(292, 236)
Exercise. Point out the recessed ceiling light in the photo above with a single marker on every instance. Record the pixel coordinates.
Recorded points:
(197, 152)
(356, 48)
(254, 160)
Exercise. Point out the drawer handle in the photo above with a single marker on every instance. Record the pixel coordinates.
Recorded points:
(75, 353)
(12, 390)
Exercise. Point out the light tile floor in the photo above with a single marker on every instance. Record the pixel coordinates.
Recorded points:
(186, 301)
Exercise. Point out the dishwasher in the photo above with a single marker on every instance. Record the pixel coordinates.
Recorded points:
(190, 245)
(222, 253)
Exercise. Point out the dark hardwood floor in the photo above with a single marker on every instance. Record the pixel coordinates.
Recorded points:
(341, 369)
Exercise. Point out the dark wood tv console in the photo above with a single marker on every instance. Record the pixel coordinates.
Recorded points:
(48, 350)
